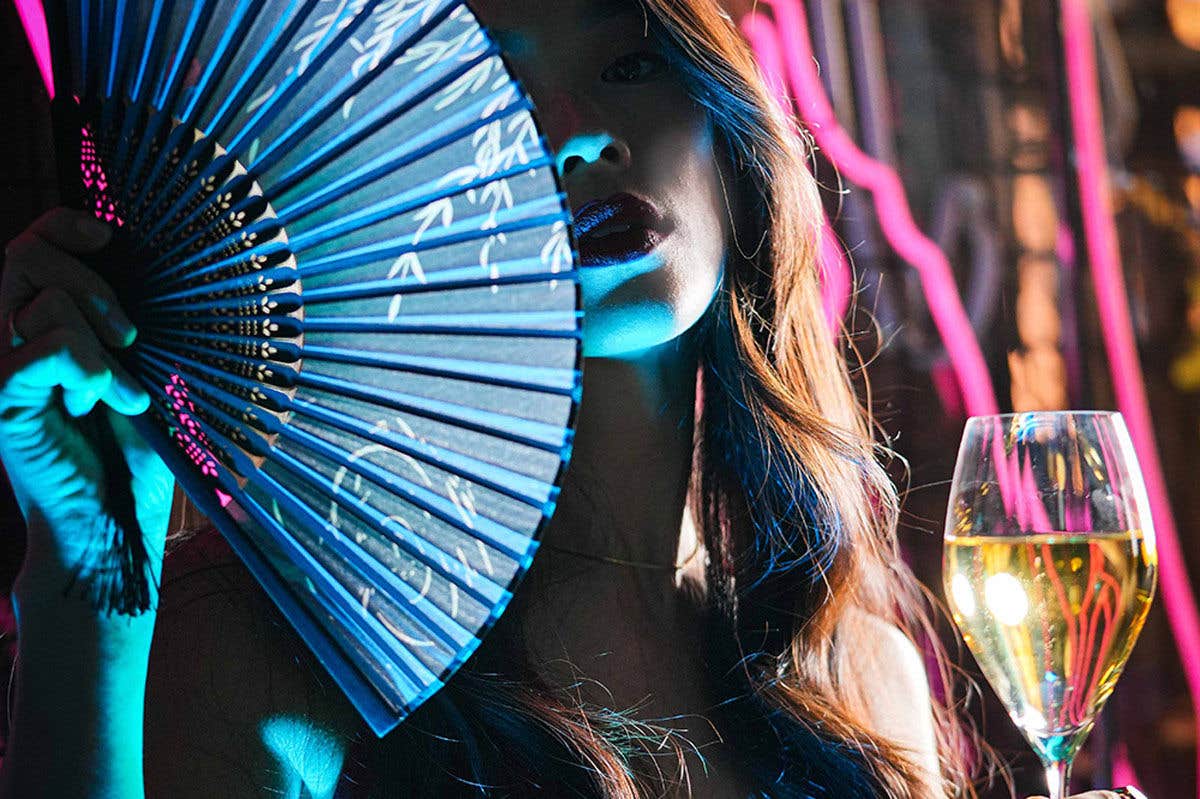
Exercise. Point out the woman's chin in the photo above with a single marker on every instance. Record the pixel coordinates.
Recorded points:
(629, 331)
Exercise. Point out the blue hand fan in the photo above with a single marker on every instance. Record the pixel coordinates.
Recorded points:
(343, 243)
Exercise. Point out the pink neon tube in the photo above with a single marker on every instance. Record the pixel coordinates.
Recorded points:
(1091, 168)
(836, 280)
(891, 204)
(33, 19)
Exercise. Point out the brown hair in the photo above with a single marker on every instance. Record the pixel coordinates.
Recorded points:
(795, 509)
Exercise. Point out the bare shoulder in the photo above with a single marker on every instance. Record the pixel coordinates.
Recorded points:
(235, 705)
(895, 688)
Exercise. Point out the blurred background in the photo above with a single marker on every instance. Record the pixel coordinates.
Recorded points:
(959, 148)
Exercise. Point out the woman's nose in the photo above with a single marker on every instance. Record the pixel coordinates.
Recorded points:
(567, 121)
(593, 147)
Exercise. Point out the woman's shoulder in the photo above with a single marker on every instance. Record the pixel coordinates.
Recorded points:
(894, 686)
(235, 704)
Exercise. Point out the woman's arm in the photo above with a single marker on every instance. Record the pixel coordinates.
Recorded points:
(76, 726)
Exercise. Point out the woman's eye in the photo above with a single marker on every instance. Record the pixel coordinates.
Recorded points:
(634, 67)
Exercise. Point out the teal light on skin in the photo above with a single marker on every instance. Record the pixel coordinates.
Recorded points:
(620, 117)
(636, 315)
(310, 759)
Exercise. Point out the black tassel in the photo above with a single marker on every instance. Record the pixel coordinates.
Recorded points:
(114, 573)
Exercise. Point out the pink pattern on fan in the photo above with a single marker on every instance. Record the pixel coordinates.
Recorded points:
(94, 179)
(189, 433)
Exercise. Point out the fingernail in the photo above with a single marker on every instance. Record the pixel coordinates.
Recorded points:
(117, 320)
(137, 399)
(125, 330)
(93, 229)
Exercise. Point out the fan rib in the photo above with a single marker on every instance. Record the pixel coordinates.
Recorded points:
(513, 544)
(523, 488)
(150, 48)
(336, 600)
(185, 50)
(447, 566)
(236, 29)
(269, 51)
(545, 380)
(114, 56)
(161, 267)
(296, 80)
(502, 539)
(432, 619)
(268, 248)
(449, 279)
(279, 38)
(323, 156)
(420, 196)
(461, 124)
(502, 273)
(360, 131)
(349, 257)
(377, 709)
(394, 248)
(154, 38)
(278, 275)
(312, 118)
(511, 428)
(560, 324)
(531, 491)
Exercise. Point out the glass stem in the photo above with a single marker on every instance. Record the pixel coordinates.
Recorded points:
(1058, 774)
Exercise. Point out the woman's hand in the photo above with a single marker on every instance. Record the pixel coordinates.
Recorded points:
(68, 319)
(79, 686)
(1102, 794)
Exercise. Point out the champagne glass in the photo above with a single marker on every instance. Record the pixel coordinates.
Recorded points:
(1050, 566)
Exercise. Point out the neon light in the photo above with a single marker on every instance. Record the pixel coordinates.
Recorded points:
(836, 279)
(1122, 769)
(1100, 234)
(891, 203)
(836, 282)
(33, 20)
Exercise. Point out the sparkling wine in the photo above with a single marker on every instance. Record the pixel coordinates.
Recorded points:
(1051, 619)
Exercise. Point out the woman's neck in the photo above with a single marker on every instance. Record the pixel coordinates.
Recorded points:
(625, 489)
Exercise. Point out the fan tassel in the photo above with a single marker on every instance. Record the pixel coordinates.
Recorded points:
(114, 574)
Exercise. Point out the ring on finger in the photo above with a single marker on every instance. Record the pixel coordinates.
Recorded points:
(14, 338)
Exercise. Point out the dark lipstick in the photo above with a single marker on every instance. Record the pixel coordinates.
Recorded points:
(616, 229)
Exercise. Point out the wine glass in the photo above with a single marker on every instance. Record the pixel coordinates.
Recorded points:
(1049, 567)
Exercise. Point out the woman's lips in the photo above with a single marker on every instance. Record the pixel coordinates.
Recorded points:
(617, 229)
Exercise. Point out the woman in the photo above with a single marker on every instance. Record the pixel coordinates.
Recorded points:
(720, 583)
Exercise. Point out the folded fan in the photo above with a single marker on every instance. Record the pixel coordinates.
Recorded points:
(343, 243)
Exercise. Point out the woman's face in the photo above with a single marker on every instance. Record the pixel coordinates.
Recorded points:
(621, 121)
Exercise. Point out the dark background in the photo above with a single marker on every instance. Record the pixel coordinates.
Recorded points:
(960, 78)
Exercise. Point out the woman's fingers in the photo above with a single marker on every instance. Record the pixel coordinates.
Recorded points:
(71, 229)
(53, 308)
(70, 357)
(39, 258)
(1089, 795)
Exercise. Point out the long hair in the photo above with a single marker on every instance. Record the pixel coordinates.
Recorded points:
(795, 509)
